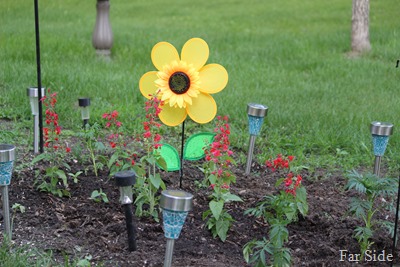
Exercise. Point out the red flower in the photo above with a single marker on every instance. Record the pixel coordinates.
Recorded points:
(114, 114)
(113, 145)
(67, 149)
(147, 134)
(157, 138)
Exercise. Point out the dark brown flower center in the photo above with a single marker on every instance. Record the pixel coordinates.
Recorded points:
(179, 82)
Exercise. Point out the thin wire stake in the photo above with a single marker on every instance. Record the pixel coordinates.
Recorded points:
(182, 144)
(395, 222)
(39, 78)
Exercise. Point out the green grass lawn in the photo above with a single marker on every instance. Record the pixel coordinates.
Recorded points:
(289, 55)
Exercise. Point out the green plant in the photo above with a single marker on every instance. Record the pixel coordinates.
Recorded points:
(370, 188)
(91, 136)
(99, 195)
(16, 207)
(148, 180)
(54, 179)
(123, 154)
(219, 177)
(75, 176)
(279, 211)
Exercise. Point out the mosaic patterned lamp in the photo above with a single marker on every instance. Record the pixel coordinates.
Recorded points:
(256, 114)
(33, 94)
(125, 180)
(84, 104)
(380, 137)
(7, 156)
(175, 204)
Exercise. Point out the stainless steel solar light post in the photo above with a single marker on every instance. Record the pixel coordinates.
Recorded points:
(255, 114)
(33, 94)
(380, 137)
(125, 180)
(7, 156)
(175, 204)
(84, 104)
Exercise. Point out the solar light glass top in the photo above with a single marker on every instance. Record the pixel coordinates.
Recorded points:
(7, 156)
(256, 114)
(125, 180)
(380, 136)
(175, 204)
(33, 94)
(84, 104)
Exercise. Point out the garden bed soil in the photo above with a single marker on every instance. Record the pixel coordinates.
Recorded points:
(77, 226)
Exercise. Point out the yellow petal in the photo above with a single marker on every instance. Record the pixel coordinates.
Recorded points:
(179, 101)
(172, 100)
(162, 54)
(213, 77)
(172, 116)
(203, 108)
(147, 84)
(195, 52)
(187, 99)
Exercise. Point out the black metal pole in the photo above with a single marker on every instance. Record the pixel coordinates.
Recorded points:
(39, 78)
(395, 222)
(85, 121)
(182, 144)
(130, 227)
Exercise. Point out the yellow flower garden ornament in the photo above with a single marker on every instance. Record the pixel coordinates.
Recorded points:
(184, 83)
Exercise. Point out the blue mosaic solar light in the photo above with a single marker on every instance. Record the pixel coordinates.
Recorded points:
(255, 114)
(380, 137)
(7, 156)
(175, 204)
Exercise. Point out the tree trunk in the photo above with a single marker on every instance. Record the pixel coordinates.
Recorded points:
(360, 27)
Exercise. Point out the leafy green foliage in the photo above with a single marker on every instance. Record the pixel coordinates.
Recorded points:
(365, 206)
(148, 180)
(91, 136)
(279, 211)
(99, 195)
(219, 177)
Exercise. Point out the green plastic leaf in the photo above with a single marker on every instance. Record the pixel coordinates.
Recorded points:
(171, 157)
(194, 147)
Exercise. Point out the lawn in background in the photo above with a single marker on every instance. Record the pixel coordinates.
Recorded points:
(289, 55)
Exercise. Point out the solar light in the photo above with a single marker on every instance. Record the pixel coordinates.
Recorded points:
(7, 156)
(380, 137)
(125, 180)
(255, 114)
(33, 94)
(84, 104)
(175, 204)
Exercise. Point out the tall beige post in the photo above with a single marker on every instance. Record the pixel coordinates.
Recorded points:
(102, 39)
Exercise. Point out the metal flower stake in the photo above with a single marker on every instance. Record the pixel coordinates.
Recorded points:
(255, 114)
(125, 180)
(380, 137)
(84, 104)
(7, 156)
(175, 205)
(33, 94)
